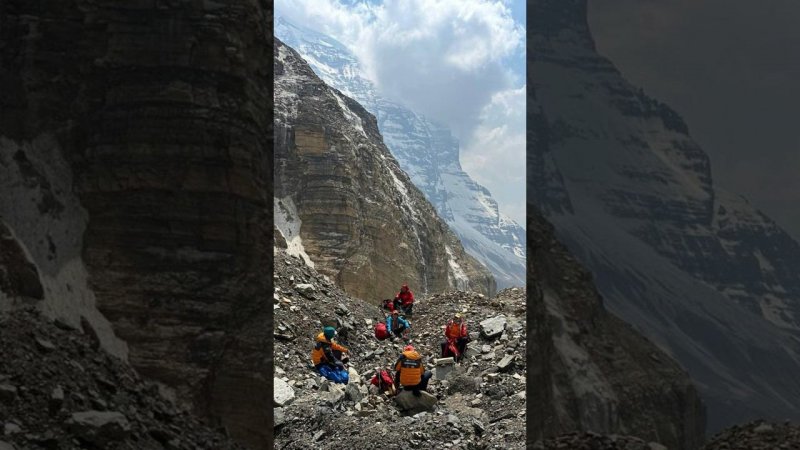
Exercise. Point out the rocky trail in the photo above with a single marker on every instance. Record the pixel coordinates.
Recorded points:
(59, 390)
(480, 402)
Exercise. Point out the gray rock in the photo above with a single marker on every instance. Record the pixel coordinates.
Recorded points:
(334, 395)
(411, 404)
(279, 417)
(493, 327)
(352, 393)
(471, 351)
(283, 393)
(319, 435)
(56, 399)
(478, 426)
(11, 428)
(44, 344)
(99, 427)
(444, 361)
(354, 377)
(305, 288)
(506, 363)
(7, 393)
(443, 371)
(453, 421)
(6, 446)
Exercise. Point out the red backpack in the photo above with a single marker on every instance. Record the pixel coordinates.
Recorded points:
(380, 331)
(382, 379)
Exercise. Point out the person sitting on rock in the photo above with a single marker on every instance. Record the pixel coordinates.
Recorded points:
(328, 357)
(404, 300)
(410, 372)
(396, 325)
(455, 333)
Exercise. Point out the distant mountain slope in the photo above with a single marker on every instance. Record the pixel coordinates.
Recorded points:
(346, 204)
(427, 152)
(695, 268)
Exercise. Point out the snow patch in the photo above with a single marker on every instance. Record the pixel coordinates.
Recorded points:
(47, 219)
(288, 223)
(458, 278)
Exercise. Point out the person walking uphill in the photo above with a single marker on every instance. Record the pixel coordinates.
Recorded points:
(396, 325)
(404, 300)
(410, 372)
(327, 357)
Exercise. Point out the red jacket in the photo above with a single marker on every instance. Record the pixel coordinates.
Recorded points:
(406, 298)
(453, 331)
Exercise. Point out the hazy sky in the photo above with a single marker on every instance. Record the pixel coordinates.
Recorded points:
(731, 68)
(460, 62)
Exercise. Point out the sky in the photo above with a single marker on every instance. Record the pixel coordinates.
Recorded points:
(459, 62)
(731, 69)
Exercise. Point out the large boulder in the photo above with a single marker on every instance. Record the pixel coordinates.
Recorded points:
(412, 404)
(283, 393)
(493, 327)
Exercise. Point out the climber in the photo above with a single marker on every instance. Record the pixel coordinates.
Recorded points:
(396, 325)
(456, 336)
(410, 372)
(328, 357)
(404, 300)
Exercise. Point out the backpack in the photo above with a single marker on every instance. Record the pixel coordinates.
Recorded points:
(388, 304)
(382, 379)
(380, 331)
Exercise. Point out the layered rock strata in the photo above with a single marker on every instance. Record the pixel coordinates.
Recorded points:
(359, 218)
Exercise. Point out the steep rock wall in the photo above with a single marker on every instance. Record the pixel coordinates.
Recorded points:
(162, 111)
(364, 224)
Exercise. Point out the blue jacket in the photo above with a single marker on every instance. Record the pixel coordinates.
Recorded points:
(402, 321)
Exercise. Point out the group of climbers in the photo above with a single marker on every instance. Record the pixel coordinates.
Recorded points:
(396, 325)
(330, 359)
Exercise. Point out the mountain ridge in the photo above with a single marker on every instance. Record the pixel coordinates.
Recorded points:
(364, 223)
(428, 152)
(696, 269)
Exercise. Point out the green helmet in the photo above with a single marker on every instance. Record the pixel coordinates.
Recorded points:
(329, 332)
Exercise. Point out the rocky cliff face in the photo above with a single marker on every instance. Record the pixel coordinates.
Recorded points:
(696, 269)
(137, 137)
(427, 151)
(344, 202)
(588, 369)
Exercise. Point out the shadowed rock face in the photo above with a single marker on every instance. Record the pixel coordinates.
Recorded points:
(162, 110)
(698, 270)
(364, 224)
(590, 371)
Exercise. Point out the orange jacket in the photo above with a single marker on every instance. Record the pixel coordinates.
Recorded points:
(322, 350)
(454, 331)
(409, 368)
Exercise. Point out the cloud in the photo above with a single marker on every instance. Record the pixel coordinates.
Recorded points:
(496, 151)
(449, 60)
(444, 59)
